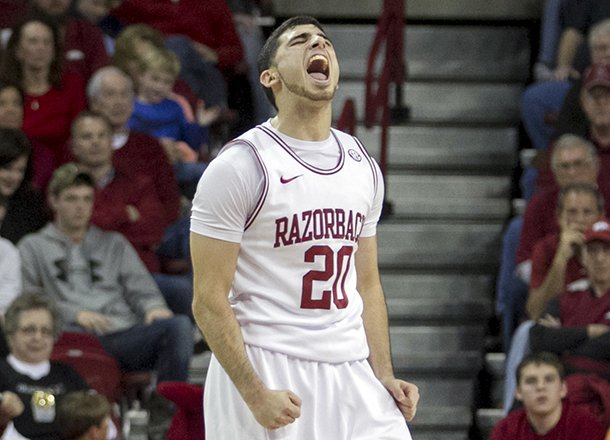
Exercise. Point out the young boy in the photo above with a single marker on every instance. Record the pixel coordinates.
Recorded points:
(160, 116)
(541, 388)
(85, 415)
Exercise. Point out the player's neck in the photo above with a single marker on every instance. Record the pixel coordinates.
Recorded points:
(305, 123)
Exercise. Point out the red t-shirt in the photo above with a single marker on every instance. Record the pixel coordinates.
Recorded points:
(575, 424)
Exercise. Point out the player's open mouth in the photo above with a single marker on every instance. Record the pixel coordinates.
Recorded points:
(318, 67)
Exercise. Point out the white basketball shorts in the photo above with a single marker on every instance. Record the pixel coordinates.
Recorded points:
(339, 401)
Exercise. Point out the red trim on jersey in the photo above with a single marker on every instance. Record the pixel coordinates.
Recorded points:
(370, 161)
(313, 169)
(265, 190)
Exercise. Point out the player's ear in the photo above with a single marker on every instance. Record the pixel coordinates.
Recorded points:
(268, 78)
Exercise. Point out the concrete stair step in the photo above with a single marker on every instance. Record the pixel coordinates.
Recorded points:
(423, 339)
(486, 419)
(436, 416)
(403, 311)
(442, 196)
(494, 365)
(441, 52)
(472, 246)
(445, 147)
(448, 364)
(440, 287)
(446, 102)
(443, 391)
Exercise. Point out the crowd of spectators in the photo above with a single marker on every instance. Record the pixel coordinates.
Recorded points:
(553, 291)
(109, 112)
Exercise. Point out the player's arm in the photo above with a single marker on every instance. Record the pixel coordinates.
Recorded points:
(214, 263)
(375, 318)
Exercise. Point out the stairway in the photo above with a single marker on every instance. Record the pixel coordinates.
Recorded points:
(449, 181)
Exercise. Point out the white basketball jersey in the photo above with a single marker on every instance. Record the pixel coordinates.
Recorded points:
(294, 290)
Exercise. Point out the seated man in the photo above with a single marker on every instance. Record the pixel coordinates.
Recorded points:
(126, 203)
(541, 388)
(101, 286)
(574, 160)
(556, 264)
(110, 92)
(556, 259)
(576, 324)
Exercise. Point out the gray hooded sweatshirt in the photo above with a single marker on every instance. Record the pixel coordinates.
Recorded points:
(103, 273)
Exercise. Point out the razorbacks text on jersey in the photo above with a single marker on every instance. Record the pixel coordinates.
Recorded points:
(295, 270)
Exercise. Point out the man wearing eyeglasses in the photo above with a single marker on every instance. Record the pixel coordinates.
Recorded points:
(574, 160)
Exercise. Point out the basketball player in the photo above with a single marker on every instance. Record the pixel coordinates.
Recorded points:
(287, 289)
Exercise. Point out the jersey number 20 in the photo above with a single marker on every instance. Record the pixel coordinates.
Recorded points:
(336, 266)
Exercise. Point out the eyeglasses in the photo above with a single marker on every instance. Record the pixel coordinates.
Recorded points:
(576, 165)
(31, 330)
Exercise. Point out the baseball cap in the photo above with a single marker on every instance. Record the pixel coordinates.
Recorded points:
(598, 231)
(66, 176)
(597, 75)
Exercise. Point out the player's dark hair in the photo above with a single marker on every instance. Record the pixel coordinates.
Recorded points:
(267, 54)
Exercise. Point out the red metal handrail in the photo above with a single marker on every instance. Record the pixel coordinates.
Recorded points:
(390, 31)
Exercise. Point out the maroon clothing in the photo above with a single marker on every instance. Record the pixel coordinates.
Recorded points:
(591, 392)
(205, 21)
(84, 50)
(110, 213)
(46, 122)
(578, 309)
(542, 259)
(12, 12)
(580, 352)
(575, 423)
(539, 220)
(143, 154)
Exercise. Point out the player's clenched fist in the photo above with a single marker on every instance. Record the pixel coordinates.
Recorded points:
(406, 396)
(276, 408)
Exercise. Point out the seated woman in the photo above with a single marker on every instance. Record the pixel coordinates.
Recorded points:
(32, 61)
(31, 326)
(25, 210)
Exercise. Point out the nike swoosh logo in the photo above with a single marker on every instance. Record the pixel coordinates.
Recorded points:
(290, 179)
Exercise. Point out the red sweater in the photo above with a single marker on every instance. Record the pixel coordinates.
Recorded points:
(110, 213)
(143, 154)
(47, 119)
(575, 423)
(206, 21)
(84, 50)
